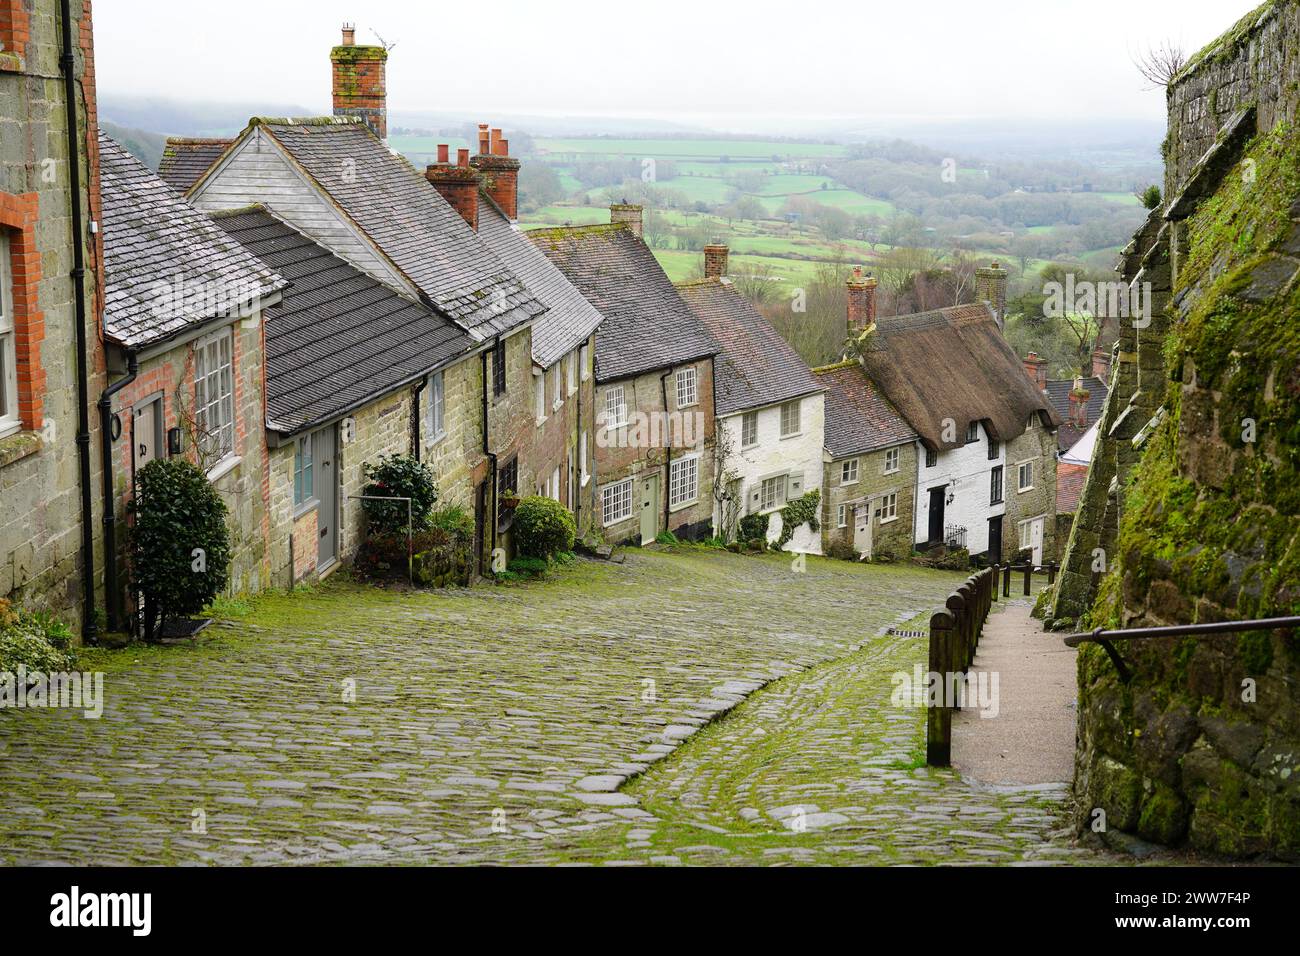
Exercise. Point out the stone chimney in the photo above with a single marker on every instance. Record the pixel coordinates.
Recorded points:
(991, 287)
(360, 81)
(498, 170)
(457, 184)
(1101, 364)
(629, 213)
(1036, 369)
(862, 301)
(715, 260)
(1079, 404)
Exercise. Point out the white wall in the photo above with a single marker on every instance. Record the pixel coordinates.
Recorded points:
(799, 456)
(967, 472)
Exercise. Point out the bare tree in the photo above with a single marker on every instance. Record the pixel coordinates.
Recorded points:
(1160, 63)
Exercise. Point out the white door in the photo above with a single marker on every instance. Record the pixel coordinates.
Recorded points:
(1036, 540)
(862, 529)
(146, 432)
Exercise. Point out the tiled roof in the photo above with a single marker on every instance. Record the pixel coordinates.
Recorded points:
(569, 319)
(858, 418)
(1069, 486)
(756, 367)
(406, 218)
(647, 324)
(185, 160)
(338, 339)
(167, 267)
(1058, 391)
(953, 364)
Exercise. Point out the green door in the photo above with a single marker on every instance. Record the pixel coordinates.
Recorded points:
(649, 488)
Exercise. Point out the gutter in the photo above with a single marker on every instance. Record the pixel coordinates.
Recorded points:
(112, 599)
(67, 66)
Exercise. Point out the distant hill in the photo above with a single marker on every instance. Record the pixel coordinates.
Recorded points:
(177, 118)
(143, 145)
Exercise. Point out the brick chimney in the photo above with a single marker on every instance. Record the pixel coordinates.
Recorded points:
(862, 301)
(457, 184)
(1036, 369)
(1079, 404)
(991, 287)
(360, 81)
(715, 260)
(1101, 364)
(499, 171)
(629, 213)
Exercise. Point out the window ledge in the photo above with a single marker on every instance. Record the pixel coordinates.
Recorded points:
(305, 508)
(19, 445)
(11, 62)
(889, 520)
(435, 439)
(673, 509)
(541, 421)
(1027, 488)
(224, 467)
(792, 435)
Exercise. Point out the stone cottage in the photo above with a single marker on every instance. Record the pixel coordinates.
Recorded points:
(770, 413)
(654, 383)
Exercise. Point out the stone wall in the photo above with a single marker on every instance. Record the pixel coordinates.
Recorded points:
(40, 487)
(1036, 444)
(888, 537)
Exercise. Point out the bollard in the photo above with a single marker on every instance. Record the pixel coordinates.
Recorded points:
(292, 564)
(1029, 569)
(1006, 581)
(938, 719)
(997, 570)
(959, 610)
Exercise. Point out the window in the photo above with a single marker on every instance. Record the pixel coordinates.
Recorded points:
(616, 502)
(888, 508)
(749, 430)
(1026, 475)
(688, 392)
(582, 458)
(499, 368)
(931, 458)
(584, 362)
(842, 519)
(615, 407)
(995, 449)
(772, 493)
(684, 481)
(437, 406)
(972, 432)
(1026, 535)
(849, 472)
(790, 424)
(9, 418)
(508, 477)
(995, 486)
(571, 367)
(303, 486)
(555, 389)
(891, 460)
(539, 397)
(214, 396)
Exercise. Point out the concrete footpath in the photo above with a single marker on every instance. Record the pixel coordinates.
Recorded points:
(1031, 738)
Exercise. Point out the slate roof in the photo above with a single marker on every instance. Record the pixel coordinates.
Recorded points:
(154, 240)
(858, 417)
(1058, 392)
(184, 160)
(569, 319)
(755, 367)
(338, 338)
(647, 325)
(408, 220)
(953, 363)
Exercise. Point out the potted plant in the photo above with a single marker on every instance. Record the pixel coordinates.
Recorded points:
(509, 500)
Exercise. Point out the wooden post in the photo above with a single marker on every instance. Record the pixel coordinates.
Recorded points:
(1029, 569)
(997, 572)
(957, 607)
(1006, 580)
(293, 565)
(938, 719)
(1051, 573)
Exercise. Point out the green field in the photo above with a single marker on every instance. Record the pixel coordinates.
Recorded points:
(686, 148)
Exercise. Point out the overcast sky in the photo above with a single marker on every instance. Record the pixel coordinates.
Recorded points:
(689, 59)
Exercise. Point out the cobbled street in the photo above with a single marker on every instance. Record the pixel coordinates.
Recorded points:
(553, 722)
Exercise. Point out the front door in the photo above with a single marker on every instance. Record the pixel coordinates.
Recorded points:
(862, 529)
(1036, 540)
(146, 432)
(995, 539)
(936, 515)
(324, 453)
(649, 487)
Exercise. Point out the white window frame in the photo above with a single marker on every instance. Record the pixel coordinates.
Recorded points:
(10, 416)
(677, 482)
(224, 377)
(555, 484)
(559, 395)
(436, 407)
(571, 371)
(539, 396)
(1025, 534)
(619, 393)
(583, 363)
(613, 495)
(1021, 487)
(797, 405)
(303, 463)
(781, 486)
(582, 458)
(842, 517)
(688, 387)
(849, 472)
(892, 458)
(889, 508)
(749, 429)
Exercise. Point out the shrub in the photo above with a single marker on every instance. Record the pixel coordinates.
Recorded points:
(180, 549)
(37, 642)
(398, 476)
(543, 527)
(455, 521)
(528, 567)
(1151, 197)
(754, 526)
(842, 551)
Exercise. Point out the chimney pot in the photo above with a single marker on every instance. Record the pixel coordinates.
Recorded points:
(349, 34)
(442, 153)
(462, 157)
(1036, 369)
(484, 140)
(715, 260)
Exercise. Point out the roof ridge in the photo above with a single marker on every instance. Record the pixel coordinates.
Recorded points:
(238, 211)
(835, 366)
(200, 140)
(306, 121)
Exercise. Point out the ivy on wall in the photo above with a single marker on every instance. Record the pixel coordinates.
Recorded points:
(801, 511)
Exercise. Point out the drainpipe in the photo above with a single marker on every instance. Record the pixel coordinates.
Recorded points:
(668, 460)
(415, 418)
(577, 443)
(112, 599)
(67, 65)
(492, 458)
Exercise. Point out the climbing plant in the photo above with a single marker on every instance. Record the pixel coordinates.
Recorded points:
(801, 511)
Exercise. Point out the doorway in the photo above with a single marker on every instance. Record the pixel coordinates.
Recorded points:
(324, 450)
(862, 529)
(146, 432)
(649, 485)
(936, 514)
(995, 539)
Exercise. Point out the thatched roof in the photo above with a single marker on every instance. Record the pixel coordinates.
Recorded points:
(954, 364)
